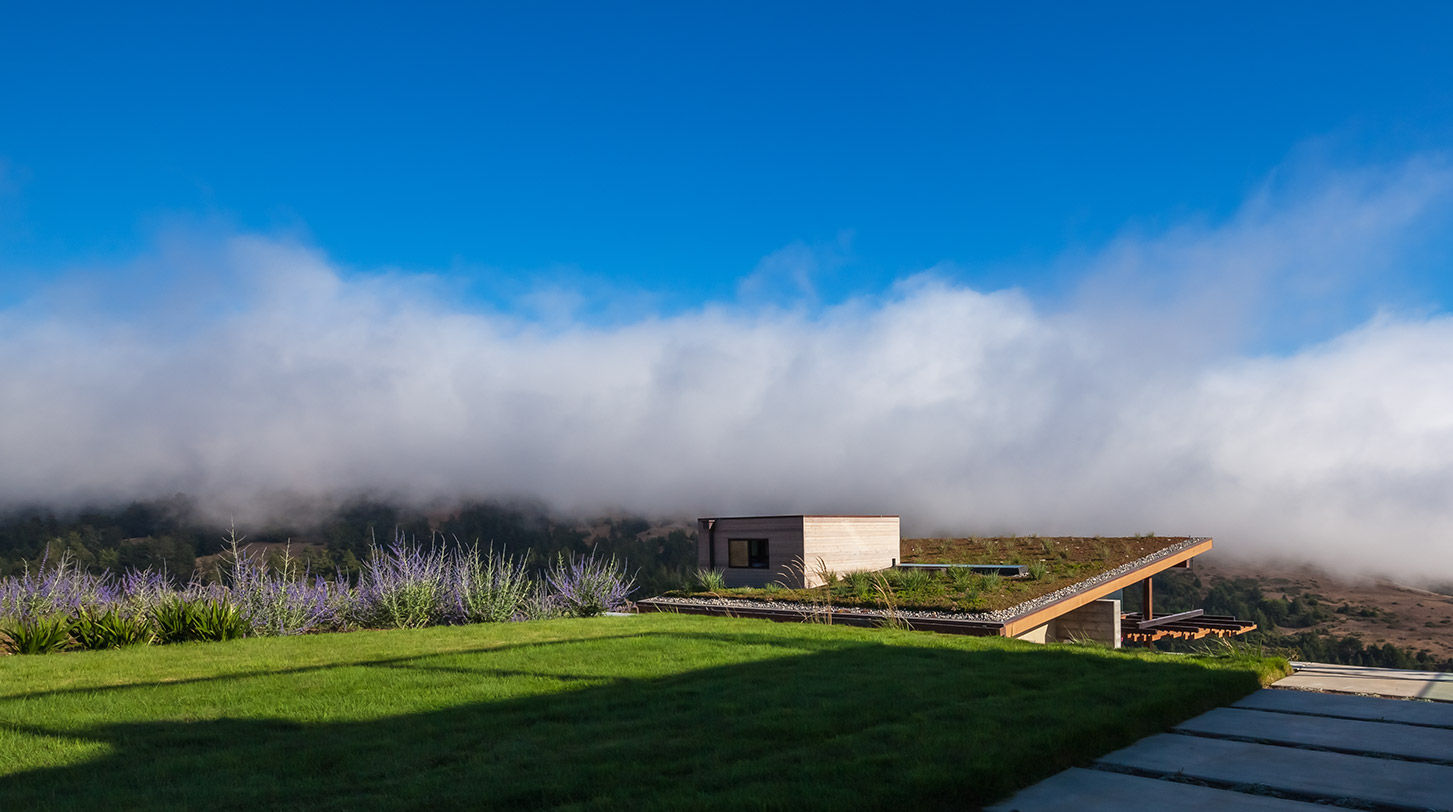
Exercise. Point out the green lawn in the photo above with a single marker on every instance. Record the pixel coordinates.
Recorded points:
(652, 711)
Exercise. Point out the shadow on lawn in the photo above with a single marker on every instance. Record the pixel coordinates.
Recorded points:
(852, 724)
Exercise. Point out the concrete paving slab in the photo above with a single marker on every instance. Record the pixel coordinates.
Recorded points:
(1075, 789)
(1355, 735)
(1315, 773)
(1352, 679)
(1371, 708)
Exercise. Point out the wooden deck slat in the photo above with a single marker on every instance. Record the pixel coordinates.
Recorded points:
(1181, 626)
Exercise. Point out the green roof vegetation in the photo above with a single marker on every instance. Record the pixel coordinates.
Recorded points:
(1052, 563)
(643, 712)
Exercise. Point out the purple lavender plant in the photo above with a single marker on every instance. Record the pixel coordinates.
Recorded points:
(539, 604)
(39, 609)
(488, 588)
(278, 603)
(345, 610)
(404, 587)
(586, 586)
(60, 590)
(140, 591)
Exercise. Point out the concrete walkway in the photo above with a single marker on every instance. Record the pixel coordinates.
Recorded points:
(1352, 679)
(1286, 747)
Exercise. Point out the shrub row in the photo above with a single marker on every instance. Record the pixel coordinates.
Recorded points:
(402, 585)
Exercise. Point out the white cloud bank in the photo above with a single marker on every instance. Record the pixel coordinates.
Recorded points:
(1133, 408)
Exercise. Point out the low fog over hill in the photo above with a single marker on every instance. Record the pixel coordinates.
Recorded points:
(259, 377)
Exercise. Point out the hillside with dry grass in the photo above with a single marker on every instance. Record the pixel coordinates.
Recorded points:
(1375, 610)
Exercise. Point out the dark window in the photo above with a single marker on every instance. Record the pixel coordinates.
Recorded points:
(747, 553)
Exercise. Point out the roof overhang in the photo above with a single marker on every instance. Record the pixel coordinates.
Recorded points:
(1037, 617)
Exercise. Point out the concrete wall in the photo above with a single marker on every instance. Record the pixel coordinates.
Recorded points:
(1038, 634)
(1098, 621)
(849, 543)
(784, 548)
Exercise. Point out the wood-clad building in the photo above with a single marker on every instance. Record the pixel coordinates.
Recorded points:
(792, 550)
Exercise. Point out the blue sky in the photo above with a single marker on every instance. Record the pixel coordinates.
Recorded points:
(1039, 268)
(658, 152)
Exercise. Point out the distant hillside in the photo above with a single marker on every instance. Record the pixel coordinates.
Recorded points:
(1314, 615)
(1375, 610)
(167, 535)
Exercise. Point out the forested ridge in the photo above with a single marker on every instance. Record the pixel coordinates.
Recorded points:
(169, 535)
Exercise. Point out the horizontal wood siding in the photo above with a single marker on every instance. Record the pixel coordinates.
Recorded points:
(849, 543)
(784, 547)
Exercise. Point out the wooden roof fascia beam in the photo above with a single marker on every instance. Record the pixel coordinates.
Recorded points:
(1025, 622)
(1178, 616)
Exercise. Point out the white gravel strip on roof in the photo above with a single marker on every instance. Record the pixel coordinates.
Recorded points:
(1035, 604)
(810, 608)
(993, 616)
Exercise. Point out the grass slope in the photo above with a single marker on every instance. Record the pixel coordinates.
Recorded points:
(652, 711)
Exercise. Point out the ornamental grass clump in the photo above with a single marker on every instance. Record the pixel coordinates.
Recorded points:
(915, 582)
(860, 584)
(963, 578)
(710, 580)
(586, 586)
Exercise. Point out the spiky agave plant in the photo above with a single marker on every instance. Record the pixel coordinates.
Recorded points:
(94, 628)
(36, 634)
(198, 613)
(218, 618)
